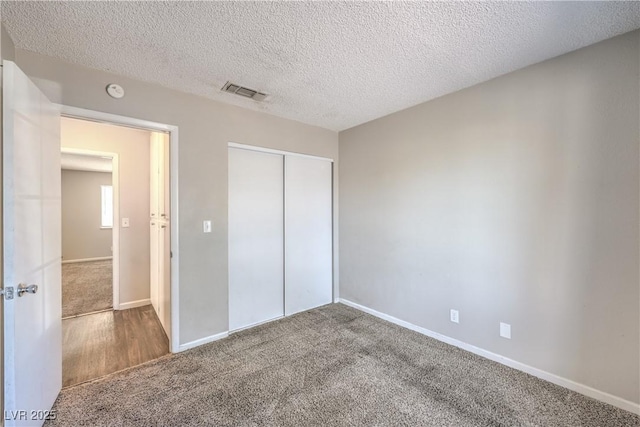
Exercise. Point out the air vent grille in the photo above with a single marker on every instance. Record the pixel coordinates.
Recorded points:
(243, 91)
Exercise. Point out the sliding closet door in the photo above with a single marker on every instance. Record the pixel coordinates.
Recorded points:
(308, 239)
(256, 282)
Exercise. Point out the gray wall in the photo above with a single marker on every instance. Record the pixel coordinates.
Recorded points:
(205, 129)
(133, 149)
(82, 236)
(515, 200)
(7, 50)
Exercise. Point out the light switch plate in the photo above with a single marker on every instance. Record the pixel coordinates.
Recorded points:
(206, 226)
(125, 222)
(505, 330)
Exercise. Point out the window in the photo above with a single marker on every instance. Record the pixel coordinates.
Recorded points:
(107, 206)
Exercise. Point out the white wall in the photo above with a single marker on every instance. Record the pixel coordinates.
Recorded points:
(206, 127)
(82, 234)
(132, 147)
(516, 200)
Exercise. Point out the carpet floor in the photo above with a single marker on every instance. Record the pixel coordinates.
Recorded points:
(86, 287)
(335, 366)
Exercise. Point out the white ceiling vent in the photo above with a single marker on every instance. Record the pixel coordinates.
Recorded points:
(243, 91)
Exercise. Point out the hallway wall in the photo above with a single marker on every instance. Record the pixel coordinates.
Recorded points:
(132, 146)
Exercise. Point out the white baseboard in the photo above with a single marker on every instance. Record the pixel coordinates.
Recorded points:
(563, 382)
(202, 341)
(133, 304)
(101, 258)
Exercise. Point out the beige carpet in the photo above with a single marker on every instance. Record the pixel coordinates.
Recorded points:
(86, 287)
(332, 366)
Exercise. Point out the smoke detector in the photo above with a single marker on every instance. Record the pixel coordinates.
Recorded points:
(243, 91)
(115, 91)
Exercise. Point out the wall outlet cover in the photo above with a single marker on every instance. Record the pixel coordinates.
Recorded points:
(455, 316)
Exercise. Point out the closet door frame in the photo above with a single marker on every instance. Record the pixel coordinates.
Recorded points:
(273, 151)
(290, 153)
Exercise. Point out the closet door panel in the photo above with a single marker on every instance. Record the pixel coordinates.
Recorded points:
(308, 233)
(256, 251)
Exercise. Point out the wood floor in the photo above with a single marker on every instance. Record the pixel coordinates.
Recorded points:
(106, 342)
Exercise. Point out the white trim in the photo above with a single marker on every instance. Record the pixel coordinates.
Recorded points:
(175, 253)
(547, 376)
(134, 304)
(99, 116)
(272, 151)
(202, 341)
(115, 231)
(100, 258)
(106, 193)
(72, 162)
(335, 261)
(284, 238)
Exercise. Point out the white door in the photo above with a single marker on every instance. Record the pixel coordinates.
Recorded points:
(255, 237)
(154, 221)
(32, 249)
(160, 263)
(164, 240)
(308, 233)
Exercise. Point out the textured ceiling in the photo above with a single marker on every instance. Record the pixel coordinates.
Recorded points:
(331, 64)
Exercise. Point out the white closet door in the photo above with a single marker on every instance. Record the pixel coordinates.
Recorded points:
(256, 251)
(308, 240)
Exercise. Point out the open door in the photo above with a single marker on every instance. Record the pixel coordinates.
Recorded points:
(32, 250)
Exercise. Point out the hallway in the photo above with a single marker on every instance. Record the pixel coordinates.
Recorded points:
(101, 343)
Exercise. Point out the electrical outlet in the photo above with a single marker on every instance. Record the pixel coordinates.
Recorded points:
(505, 330)
(455, 316)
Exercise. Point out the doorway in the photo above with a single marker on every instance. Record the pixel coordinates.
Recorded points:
(122, 253)
(32, 318)
(87, 232)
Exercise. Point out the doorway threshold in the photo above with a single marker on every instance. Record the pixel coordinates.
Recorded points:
(87, 314)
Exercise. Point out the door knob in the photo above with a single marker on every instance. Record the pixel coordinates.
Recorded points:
(29, 289)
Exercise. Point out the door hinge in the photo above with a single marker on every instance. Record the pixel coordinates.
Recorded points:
(7, 292)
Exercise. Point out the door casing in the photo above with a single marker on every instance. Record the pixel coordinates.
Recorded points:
(115, 231)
